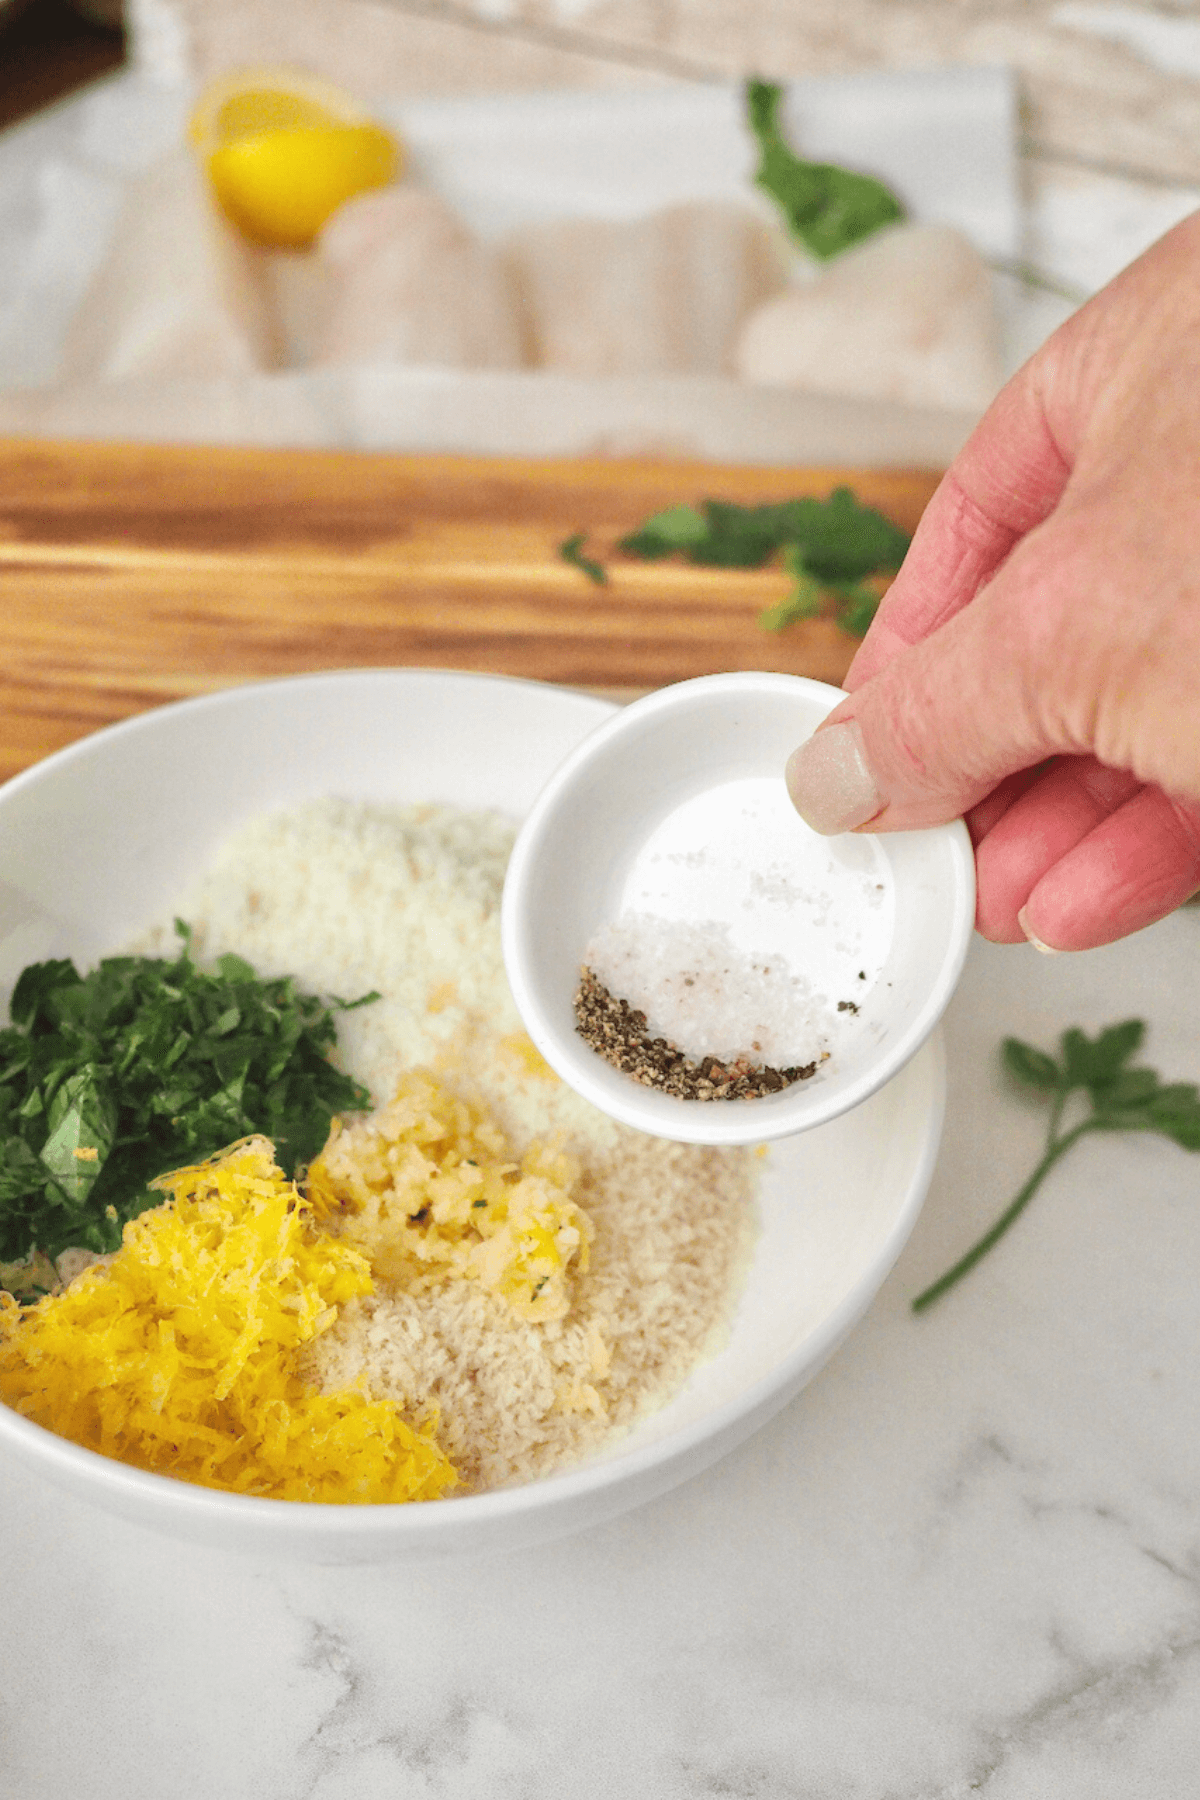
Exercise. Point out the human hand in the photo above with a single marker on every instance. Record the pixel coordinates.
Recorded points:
(1036, 663)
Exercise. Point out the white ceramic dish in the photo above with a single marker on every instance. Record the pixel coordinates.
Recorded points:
(676, 807)
(102, 837)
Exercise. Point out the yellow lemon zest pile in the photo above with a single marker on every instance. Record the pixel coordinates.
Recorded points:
(179, 1355)
(283, 152)
(427, 1188)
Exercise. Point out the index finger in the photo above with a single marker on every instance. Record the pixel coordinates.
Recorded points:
(1006, 480)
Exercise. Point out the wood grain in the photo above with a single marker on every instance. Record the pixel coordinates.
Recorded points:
(133, 574)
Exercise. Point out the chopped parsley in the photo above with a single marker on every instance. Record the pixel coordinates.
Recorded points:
(144, 1064)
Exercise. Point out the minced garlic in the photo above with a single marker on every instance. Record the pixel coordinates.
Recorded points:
(427, 1188)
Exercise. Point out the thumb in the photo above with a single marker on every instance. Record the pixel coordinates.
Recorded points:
(939, 726)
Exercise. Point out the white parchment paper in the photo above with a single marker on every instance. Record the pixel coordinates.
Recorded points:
(944, 139)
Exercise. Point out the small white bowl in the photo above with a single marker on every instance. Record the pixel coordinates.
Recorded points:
(677, 807)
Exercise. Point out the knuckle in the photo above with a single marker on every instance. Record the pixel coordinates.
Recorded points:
(1067, 625)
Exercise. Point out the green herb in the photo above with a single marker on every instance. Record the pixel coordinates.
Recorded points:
(855, 603)
(679, 528)
(109, 1079)
(30, 1279)
(1118, 1098)
(571, 551)
(827, 209)
(834, 540)
(828, 547)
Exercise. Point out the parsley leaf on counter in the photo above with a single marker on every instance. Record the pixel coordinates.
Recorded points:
(111, 1078)
(827, 209)
(830, 548)
(1119, 1098)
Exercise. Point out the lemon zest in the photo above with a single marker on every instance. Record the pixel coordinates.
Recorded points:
(180, 1354)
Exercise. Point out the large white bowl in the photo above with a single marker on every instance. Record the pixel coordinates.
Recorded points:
(104, 836)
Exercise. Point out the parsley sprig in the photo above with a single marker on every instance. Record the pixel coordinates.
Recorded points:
(1117, 1097)
(142, 1065)
(837, 551)
(826, 208)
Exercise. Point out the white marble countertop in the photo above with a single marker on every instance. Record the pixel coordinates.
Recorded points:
(966, 1560)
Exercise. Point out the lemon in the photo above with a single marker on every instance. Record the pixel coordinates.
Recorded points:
(283, 152)
(280, 187)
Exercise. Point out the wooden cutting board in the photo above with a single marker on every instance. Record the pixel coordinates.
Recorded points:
(135, 574)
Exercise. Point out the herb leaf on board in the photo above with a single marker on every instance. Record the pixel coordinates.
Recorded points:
(839, 553)
(678, 528)
(1118, 1098)
(840, 539)
(571, 550)
(144, 1064)
(826, 208)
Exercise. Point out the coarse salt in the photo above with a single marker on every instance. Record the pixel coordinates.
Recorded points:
(706, 995)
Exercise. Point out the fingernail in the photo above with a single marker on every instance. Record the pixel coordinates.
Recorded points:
(1031, 934)
(830, 783)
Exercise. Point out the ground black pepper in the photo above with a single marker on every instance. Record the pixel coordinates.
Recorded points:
(617, 1032)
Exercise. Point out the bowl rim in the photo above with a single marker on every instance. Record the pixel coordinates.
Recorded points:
(81, 748)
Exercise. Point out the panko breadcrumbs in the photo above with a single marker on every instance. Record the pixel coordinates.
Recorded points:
(655, 1236)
